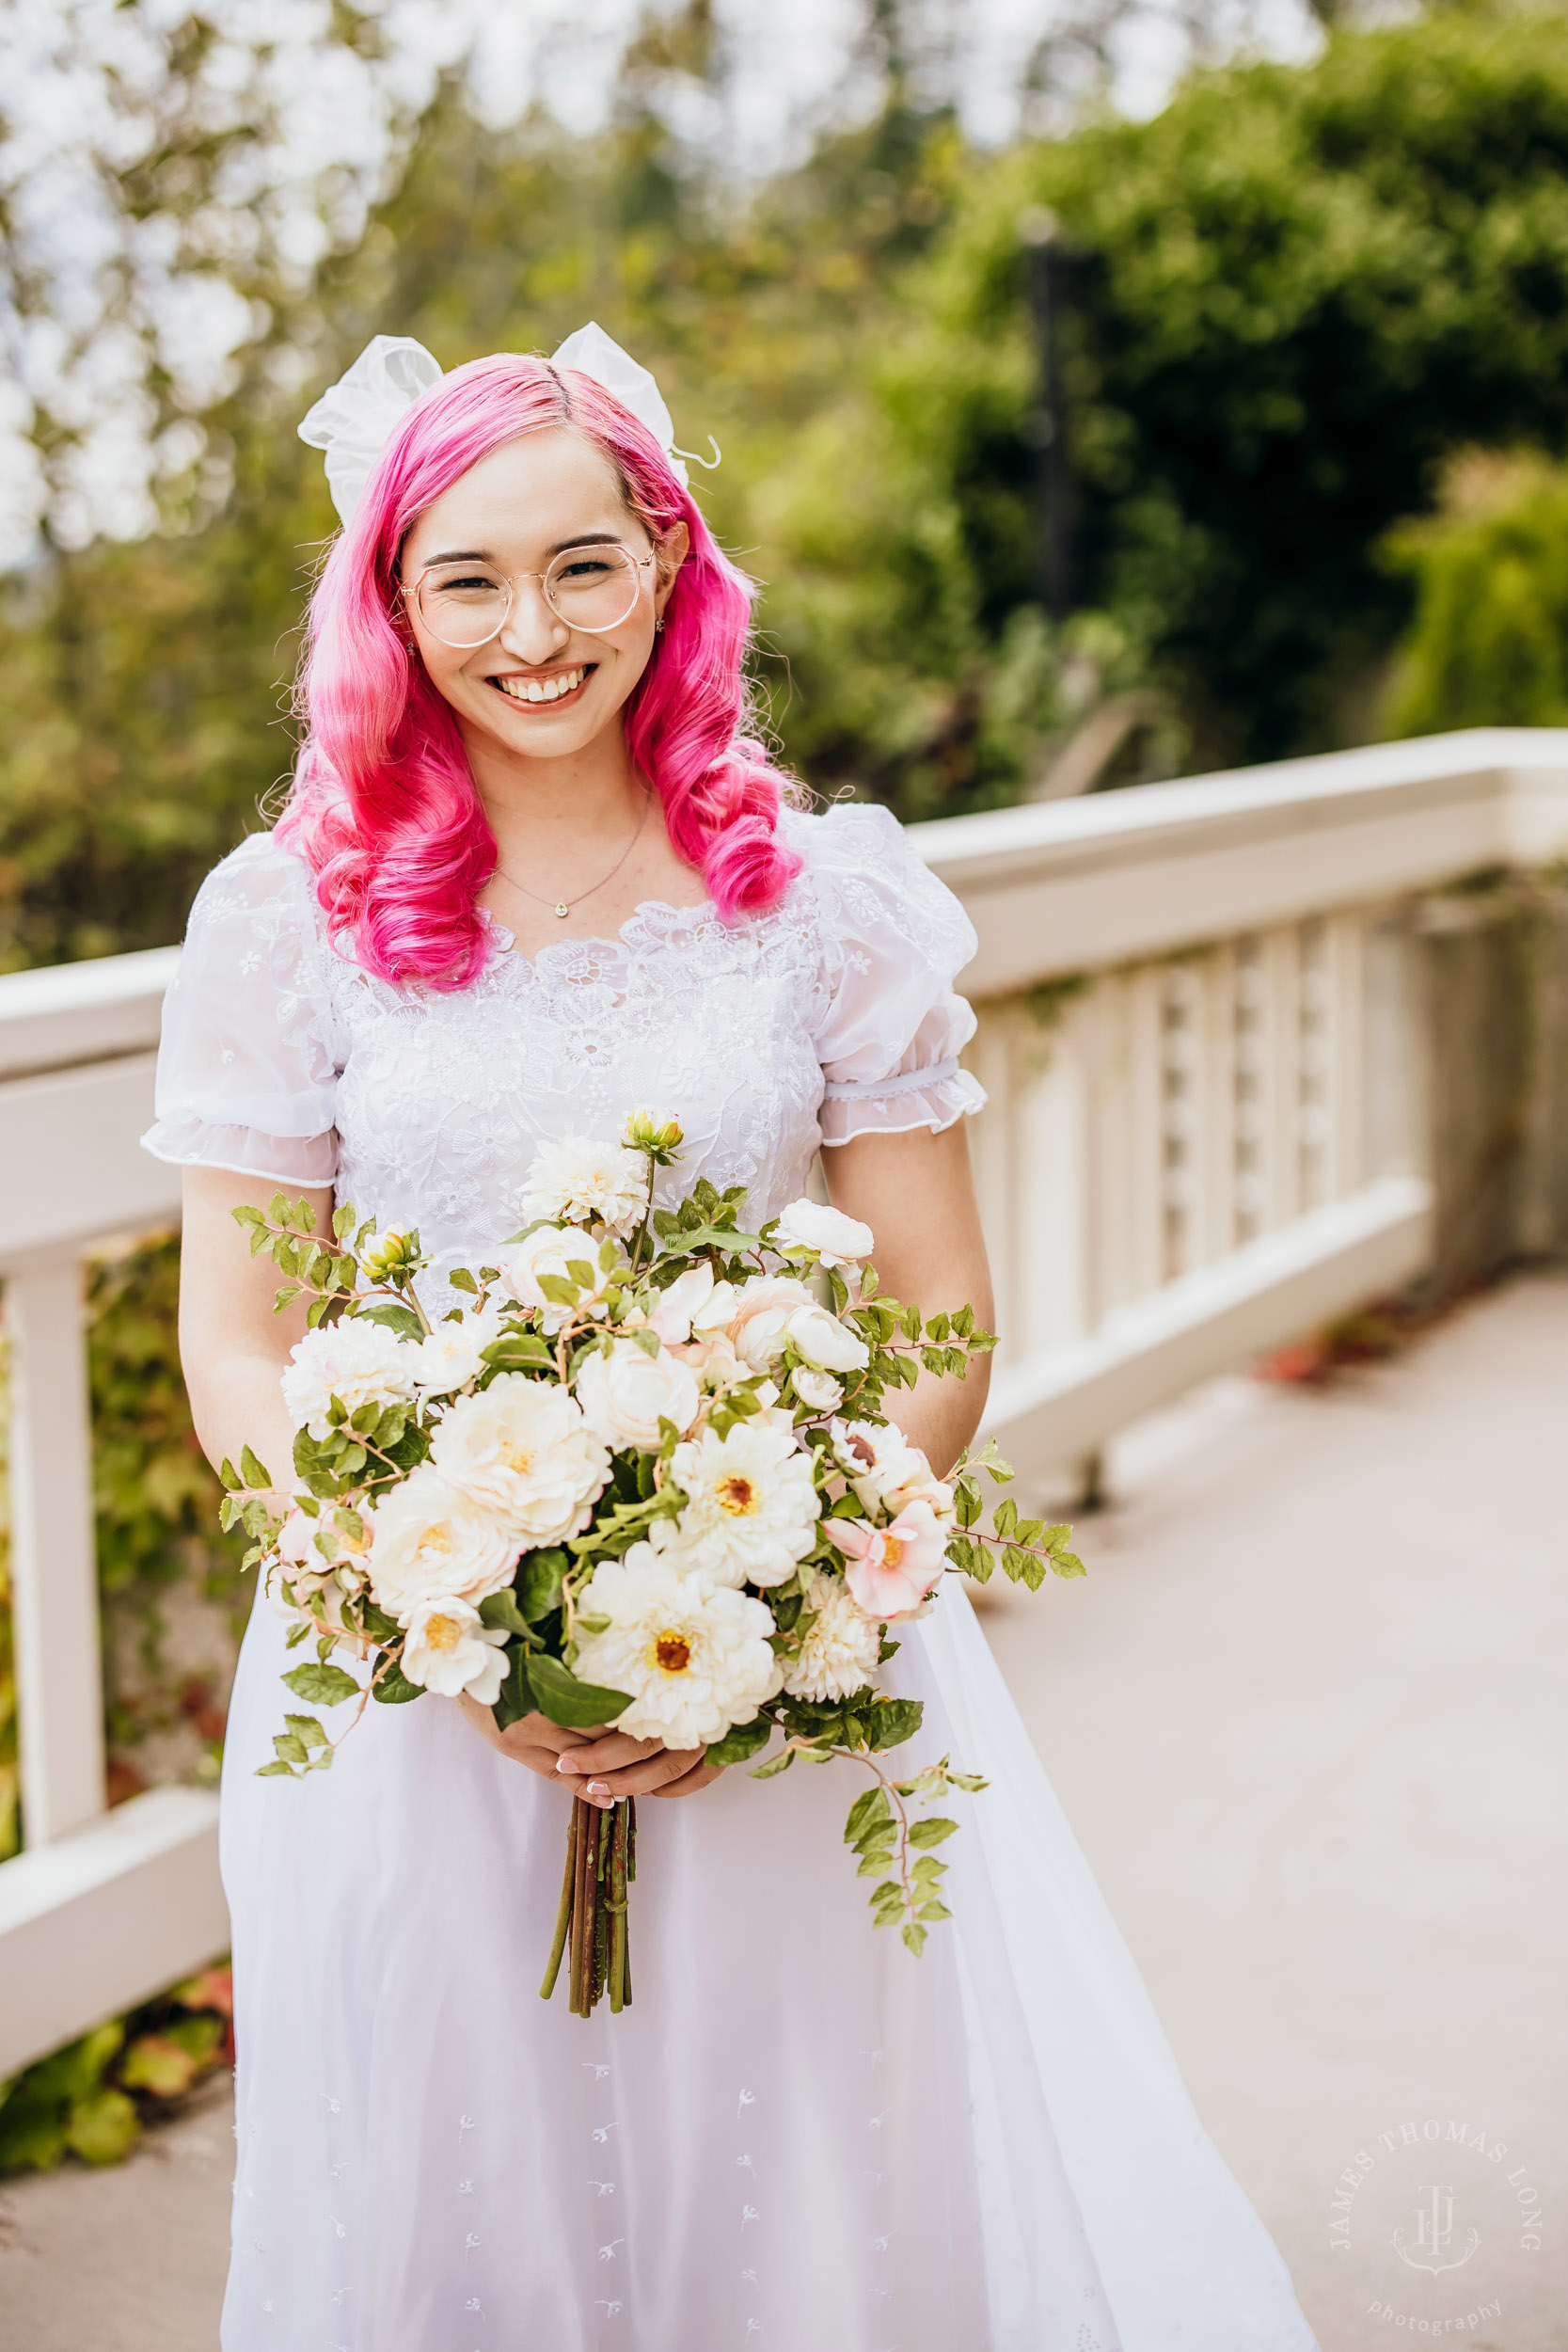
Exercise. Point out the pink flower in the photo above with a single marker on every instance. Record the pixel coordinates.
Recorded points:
(891, 1568)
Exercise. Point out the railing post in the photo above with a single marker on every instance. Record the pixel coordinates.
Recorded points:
(59, 1675)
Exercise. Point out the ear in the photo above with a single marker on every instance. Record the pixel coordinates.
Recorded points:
(673, 546)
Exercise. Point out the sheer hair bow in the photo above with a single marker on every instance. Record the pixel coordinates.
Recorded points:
(355, 421)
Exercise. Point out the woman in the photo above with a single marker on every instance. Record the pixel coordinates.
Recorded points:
(533, 876)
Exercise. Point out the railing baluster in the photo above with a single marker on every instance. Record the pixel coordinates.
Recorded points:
(59, 1682)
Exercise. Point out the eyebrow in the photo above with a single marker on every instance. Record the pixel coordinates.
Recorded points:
(482, 555)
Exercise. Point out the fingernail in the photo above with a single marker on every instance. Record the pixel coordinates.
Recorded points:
(598, 1787)
(561, 1765)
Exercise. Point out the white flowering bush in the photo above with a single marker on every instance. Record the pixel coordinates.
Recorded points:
(640, 1473)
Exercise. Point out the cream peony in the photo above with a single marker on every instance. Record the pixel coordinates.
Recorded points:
(583, 1183)
(522, 1451)
(892, 1569)
(751, 1509)
(455, 1351)
(695, 1307)
(694, 1655)
(446, 1649)
(429, 1539)
(555, 1249)
(762, 1309)
(358, 1362)
(838, 1240)
(826, 1344)
(817, 1391)
(838, 1655)
(624, 1395)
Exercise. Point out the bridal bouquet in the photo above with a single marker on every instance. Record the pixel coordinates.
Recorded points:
(640, 1474)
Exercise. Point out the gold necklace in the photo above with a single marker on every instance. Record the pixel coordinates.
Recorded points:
(561, 906)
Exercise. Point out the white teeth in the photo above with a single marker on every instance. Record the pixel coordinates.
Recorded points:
(530, 690)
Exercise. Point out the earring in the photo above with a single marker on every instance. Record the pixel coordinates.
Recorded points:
(658, 625)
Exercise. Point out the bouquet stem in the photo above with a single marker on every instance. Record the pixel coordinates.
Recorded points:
(590, 1922)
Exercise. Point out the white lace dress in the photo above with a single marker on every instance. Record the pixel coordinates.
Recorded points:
(800, 2137)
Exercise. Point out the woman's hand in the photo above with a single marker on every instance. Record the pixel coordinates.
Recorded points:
(600, 1764)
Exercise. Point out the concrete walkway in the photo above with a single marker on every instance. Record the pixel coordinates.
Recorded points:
(1307, 1715)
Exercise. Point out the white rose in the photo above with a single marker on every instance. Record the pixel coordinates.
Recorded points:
(556, 1250)
(696, 1656)
(448, 1650)
(762, 1309)
(694, 1307)
(885, 1470)
(752, 1505)
(826, 1344)
(624, 1394)
(840, 1652)
(581, 1181)
(429, 1539)
(818, 1390)
(838, 1240)
(523, 1451)
(358, 1362)
(453, 1354)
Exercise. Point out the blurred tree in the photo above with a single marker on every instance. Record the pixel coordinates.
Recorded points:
(1489, 643)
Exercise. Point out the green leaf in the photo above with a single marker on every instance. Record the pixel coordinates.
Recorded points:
(1067, 1563)
(515, 1350)
(515, 1697)
(575, 1705)
(963, 1322)
(558, 1290)
(933, 1910)
(874, 1858)
(775, 1765)
(254, 1472)
(934, 1832)
(873, 1806)
(392, 1686)
(892, 1722)
(915, 1938)
(267, 1771)
(309, 1729)
(500, 1609)
(322, 1686)
(538, 1586)
(403, 1320)
(1005, 1517)
(461, 1279)
(287, 1746)
(741, 1741)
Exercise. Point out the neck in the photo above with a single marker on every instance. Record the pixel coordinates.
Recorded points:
(594, 793)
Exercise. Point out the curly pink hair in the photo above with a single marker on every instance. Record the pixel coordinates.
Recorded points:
(384, 805)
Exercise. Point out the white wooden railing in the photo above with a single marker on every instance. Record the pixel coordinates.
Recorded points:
(1203, 1030)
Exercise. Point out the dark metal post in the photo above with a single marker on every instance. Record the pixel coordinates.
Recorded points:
(1049, 265)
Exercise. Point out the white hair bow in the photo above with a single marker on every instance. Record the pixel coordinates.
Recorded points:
(355, 421)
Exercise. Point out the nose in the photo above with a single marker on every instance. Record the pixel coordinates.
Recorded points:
(531, 631)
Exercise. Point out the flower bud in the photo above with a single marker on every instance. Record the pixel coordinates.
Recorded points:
(389, 1253)
(659, 1137)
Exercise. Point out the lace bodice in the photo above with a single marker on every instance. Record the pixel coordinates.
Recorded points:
(829, 1016)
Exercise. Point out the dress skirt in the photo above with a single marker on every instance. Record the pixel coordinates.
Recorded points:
(798, 2137)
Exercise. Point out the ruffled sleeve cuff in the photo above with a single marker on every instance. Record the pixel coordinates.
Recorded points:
(936, 1097)
(188, 1141)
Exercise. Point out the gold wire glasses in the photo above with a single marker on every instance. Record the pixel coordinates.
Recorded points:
(593, 588)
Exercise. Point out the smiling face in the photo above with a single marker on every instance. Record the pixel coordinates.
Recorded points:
(542, 688)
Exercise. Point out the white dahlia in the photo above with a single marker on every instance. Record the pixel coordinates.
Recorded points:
(694, 1655)
(750, 1505)
(447, 1649)
(429, 1539)
(522, 1451)
(358, 1362)
(584, 1182)
(838, 1654)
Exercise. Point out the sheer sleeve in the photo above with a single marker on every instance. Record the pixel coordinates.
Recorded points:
(894, 937)
(248, 1070)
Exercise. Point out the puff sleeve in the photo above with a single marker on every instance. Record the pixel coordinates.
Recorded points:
(247, 1069)
(894, 938)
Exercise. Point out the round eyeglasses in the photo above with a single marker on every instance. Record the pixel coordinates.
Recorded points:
(594, 589)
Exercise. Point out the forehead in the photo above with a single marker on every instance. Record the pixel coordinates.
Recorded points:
(526, 497)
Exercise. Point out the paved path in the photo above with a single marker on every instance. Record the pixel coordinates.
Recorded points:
(1307, 1715)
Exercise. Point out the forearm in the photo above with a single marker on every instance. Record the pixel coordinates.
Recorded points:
(237, 1402)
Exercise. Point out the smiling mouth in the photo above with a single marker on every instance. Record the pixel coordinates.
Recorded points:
(545, 694)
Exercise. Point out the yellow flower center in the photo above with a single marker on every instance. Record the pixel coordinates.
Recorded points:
(892, 1550)
(672, 1652)
(442, 1632)
(518, 1458)
(735, 1494)
(437, 1538)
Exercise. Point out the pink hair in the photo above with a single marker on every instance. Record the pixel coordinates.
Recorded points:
(384, 805)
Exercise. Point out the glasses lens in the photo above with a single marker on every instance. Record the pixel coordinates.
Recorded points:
(593, 588)
(463, 604)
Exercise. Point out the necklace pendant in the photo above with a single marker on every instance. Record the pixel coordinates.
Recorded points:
(561, 908)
